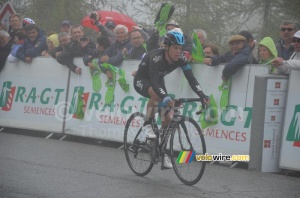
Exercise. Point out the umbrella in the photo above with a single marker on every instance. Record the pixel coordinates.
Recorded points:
(116, 17)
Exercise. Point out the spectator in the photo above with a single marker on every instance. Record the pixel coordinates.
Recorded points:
(27, 21)
(78, 47)
(113, 54)
(15, 24)
(52, 42)
(110, 25)
(104, 30)
(253, 58)
(267, 52)
(284, 46)
(284, 66)
(33, 45)
(18, 41)
(2, 26)
(139, 48)
(64, 39)
(102, 44)
(5, 47)
(236, 58)
(65, 26)
(155, 42)
(209, 51)
(202, 36)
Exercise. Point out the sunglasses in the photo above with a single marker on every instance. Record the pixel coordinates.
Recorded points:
(286, 29)
(296, 40)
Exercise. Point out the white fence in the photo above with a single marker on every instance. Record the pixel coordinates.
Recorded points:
(42, 96)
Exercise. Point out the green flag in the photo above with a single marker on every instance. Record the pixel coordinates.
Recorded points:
(120, 72)
(197, 52)
(162, 17)
(210, 116)
(225, 88)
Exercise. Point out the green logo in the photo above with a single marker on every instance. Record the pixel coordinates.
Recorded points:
(5, 93)
(294, 128)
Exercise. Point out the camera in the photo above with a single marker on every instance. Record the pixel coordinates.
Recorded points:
(93, 16)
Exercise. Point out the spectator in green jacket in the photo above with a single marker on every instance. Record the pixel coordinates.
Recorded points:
(267, 52)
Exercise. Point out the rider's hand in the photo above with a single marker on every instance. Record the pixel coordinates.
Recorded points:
(205, 100)
(167, 101)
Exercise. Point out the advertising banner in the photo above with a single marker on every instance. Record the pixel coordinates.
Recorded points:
(226, 125)
(38, 96)
(290, 147)
(273, 122)
(30, 94)
(98, 110)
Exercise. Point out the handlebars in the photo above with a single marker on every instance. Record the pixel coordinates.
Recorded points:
(179, 101)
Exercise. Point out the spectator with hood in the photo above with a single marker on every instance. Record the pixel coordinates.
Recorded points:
(52, 42)
(267, 52)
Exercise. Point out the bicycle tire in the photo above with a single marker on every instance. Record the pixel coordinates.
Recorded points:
(137, 158)
(188, 173)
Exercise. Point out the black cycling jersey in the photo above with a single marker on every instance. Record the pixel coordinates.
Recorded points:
(154, 67)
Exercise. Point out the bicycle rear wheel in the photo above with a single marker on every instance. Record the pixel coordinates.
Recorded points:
(186, 142)
(137, 153)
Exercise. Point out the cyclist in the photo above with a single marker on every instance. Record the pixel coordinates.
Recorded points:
(149, 80)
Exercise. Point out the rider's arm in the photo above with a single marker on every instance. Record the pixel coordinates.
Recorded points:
(192, 81)
(156, 79)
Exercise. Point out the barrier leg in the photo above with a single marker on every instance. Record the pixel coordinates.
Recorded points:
(49, 136)
(63, 137)
(2, 129)
(121, 147)
(212, 162)
(234, 164)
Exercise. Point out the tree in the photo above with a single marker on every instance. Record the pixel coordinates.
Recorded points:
(219, 19)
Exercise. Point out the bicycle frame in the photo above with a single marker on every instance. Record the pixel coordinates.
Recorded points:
(142, 153)
(161, 148)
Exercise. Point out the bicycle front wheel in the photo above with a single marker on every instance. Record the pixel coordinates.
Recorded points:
(186, 142)
(137, 153)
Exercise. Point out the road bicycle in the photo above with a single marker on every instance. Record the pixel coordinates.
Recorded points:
(185, 144)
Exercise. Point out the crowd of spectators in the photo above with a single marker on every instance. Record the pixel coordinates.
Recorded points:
(23, 40)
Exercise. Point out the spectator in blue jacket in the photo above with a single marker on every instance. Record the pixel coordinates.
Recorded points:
(139, 47)
(113, 54)
(284, 46)
(237, 57)
(102, 44)
(78, 47)
(34, 44)
(19, 39)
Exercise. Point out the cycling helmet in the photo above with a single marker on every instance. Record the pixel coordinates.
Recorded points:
(174, 38)
(27, 21)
